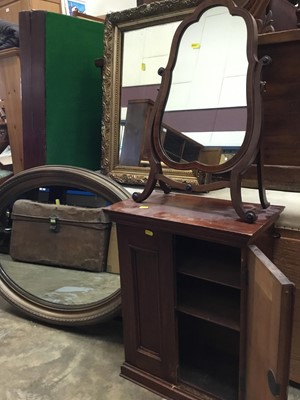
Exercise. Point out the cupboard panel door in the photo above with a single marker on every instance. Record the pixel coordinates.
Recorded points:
(147, 289)
(269, 323)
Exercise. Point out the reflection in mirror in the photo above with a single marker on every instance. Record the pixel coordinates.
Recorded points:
(144, 52)
(205, 119)
(60, 280)
(206, 109)
(60, 285)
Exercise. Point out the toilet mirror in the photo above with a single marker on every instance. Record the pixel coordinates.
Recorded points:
(210, 95)
(54, 293)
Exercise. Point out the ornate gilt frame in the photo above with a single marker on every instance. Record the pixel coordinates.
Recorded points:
(115, 25)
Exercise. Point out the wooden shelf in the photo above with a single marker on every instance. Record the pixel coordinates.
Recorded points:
(227, 275)
(211, 302)
(204, 260)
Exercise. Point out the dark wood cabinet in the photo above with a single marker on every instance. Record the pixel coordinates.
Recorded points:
(206, 314)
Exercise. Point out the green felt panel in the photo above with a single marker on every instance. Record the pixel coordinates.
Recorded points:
(73, 91)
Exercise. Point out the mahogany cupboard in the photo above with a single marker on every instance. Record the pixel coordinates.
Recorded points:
(206, 314)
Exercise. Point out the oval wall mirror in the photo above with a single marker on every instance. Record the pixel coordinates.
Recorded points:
(55, 294)
(209, 99)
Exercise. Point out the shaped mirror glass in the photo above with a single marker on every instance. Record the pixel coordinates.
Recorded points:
(205, 118)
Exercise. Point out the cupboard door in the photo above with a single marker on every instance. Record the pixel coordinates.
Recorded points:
(147, 290)
(269, 323)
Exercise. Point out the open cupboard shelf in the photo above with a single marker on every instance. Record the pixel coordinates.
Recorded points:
(215, 303)
(209, 261)
(205, 289)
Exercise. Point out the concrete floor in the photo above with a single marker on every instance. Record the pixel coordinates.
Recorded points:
(40, 362)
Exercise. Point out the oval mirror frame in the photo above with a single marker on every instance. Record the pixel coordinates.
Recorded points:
(253, 103)
(31, 305)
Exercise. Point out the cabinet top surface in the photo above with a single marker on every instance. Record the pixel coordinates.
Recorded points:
(173, 211)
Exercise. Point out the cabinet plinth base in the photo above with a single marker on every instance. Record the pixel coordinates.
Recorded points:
(159, 386)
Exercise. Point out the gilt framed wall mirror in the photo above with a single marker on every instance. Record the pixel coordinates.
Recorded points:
(131, 82)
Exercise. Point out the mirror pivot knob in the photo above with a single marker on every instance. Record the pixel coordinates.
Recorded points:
(250, 217)
(266, 60)
(161, 71)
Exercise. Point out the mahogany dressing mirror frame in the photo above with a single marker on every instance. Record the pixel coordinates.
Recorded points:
(250, 148)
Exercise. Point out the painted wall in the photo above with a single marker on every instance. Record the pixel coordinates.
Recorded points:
(102, 7)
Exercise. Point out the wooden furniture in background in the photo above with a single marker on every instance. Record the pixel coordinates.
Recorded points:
(202, 303)
(287, 257)
(284, 14)
(281, 100)
(9, 9)
(10, 84)
(10, 92)
(134, 147)
(178, 146)
(281, 149)
(58, 54)
(79, 14)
